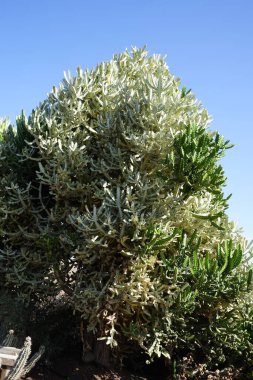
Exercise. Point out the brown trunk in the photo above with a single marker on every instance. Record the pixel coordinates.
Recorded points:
(94, 350)
(102, 353)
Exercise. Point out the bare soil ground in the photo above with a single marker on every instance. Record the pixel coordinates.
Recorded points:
(70, 368)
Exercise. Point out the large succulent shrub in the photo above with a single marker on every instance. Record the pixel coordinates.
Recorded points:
(111, 193)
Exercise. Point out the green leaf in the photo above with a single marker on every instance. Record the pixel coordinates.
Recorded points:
(249, 279)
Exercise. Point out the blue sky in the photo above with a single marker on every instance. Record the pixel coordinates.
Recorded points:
(208, 43)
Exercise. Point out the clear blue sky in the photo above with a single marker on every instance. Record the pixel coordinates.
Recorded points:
(209, 44)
